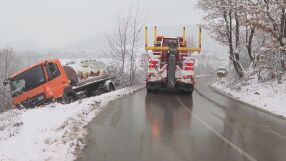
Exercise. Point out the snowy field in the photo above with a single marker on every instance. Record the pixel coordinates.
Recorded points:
(52, 132)
(269, 96)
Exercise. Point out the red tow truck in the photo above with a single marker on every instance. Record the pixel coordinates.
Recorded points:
(170, 64)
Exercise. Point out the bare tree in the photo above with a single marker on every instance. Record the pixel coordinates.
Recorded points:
(256, 26)
(118, 39)
(137, 24)
(269, 17)
(223, 21)
(125, 41)
(8, 65)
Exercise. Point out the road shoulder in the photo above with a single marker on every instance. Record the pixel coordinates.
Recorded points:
(240, 100)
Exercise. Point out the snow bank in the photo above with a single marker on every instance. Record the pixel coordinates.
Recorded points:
(53, 132)
(269, 96)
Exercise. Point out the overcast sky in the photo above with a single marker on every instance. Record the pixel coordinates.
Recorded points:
(56, 23)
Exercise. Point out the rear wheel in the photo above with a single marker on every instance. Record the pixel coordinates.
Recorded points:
(66, 99)
(68, 96)
(111, 87)
(93, 90)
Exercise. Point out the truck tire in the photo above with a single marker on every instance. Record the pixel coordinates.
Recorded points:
(66, 99)
(111, 87)
(94, 90)
(69, 95)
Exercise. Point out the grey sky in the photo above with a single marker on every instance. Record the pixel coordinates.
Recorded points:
(56, 23)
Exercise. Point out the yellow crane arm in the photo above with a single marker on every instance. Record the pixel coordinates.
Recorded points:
(198, 49)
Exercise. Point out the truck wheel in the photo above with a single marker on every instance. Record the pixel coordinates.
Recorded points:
(68, 96)
(95, 90)
(66, 99)
(111, 87)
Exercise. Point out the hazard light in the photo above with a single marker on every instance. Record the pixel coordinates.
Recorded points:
(189, 64)
(153, 62)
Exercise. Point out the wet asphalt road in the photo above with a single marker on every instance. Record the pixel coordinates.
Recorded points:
(169, 126)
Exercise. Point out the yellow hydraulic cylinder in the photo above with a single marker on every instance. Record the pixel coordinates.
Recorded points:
(184, 35)
(199, 49)
(200, 39)
(155, 34)
(146, 36)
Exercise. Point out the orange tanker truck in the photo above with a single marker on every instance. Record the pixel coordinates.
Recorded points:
(49, 80)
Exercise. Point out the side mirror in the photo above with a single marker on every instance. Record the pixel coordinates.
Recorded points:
(6, 82)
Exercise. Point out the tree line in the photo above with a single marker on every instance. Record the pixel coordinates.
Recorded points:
(9, 64)
(125, 46)
(251, 29)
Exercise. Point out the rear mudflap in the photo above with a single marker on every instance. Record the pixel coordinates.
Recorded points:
(154, 85)
(188, 87)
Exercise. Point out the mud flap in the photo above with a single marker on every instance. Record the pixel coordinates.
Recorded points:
(185, 88)
(153, 86)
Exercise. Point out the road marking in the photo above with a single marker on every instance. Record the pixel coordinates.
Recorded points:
(276, 133)
(245, 154)
(254, 124)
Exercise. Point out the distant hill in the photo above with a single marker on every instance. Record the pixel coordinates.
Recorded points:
(96, 44)
(21, 46)
(99, 42)
(208, 44)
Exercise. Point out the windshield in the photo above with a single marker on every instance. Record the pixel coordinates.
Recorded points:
(27, 80)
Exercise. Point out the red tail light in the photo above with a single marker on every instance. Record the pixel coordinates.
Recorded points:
(149, 76)
(189, 64)
(188, 68)
(153, 62)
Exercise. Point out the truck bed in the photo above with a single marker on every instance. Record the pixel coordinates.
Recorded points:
(91, 82)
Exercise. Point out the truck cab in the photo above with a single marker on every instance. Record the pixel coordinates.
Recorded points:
(39, 83)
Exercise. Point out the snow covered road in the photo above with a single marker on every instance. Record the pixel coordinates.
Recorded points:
(53, 132)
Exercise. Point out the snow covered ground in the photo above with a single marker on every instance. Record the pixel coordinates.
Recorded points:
(52, 132)
(268, 96)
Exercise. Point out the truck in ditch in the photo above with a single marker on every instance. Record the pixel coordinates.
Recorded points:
(49, 80)
(170, 64)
